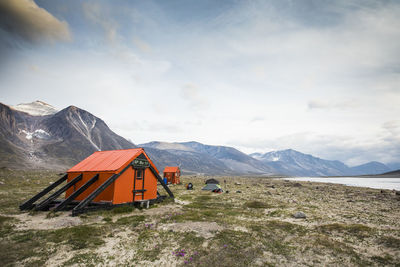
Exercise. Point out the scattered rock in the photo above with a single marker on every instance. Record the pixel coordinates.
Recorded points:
(397, 193)
(238, 183)
(297, 185)
(181, 202)
(299, 215)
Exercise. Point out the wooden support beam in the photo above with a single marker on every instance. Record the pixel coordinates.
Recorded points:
(27, 205)
(45, 203)
(75, 194)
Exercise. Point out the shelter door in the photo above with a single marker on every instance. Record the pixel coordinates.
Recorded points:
(138, 185)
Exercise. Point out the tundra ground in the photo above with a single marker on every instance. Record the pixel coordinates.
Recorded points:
(344, 226)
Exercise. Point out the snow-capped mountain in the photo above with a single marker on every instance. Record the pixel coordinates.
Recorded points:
(292, 162)
(55, 140)
(37, 108)
(198, 158)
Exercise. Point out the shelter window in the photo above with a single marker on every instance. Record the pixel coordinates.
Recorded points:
(139, 174)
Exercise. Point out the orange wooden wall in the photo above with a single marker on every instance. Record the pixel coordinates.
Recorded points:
(118, 192)
(106, 195)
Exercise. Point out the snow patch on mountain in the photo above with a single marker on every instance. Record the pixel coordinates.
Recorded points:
(40, 133)
(37, 108)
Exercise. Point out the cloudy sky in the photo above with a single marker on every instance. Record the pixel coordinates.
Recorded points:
(321, 77)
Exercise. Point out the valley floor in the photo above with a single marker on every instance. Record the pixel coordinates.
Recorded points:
(344, 226)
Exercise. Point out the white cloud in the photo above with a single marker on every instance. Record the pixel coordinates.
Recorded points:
(193, 95)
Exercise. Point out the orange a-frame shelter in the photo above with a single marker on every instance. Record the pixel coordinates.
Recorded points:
(173, 175)
(106, 178)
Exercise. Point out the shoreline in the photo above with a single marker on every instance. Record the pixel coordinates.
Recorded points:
(382, 183)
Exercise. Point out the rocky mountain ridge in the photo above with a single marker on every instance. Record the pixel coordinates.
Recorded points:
(222, 159)
(56, 141)
(36, 135)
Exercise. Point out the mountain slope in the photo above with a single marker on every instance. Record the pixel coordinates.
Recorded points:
(394, 166)
(53, 141)
(190, 163)
(292, 162)
(222, 159)
(372, 167)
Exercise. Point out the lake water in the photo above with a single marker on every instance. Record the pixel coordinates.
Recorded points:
(378, 183)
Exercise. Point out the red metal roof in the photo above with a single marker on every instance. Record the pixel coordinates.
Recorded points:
(111, 160)
(171, 169)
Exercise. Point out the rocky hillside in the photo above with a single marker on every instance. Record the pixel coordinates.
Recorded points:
(56, 140)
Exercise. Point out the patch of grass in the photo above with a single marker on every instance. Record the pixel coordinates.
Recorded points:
(358, 230)
(122, 209)
(6, 226)
(385, 260)
(4, 219)
(257, 205)
(131, 220)
(390, 242)
(190, 239)
(145, 251)
(78, 237)
(285, 227)
(275, 213)
(11, 252)
(145, 235)
(339, 250)
(230, 248)
(107, 219)
(203, 198)
(52, 214)
(149, 254)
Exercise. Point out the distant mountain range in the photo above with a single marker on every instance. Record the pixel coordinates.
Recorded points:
(291, 162)
(36, 135)
(194, 157)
